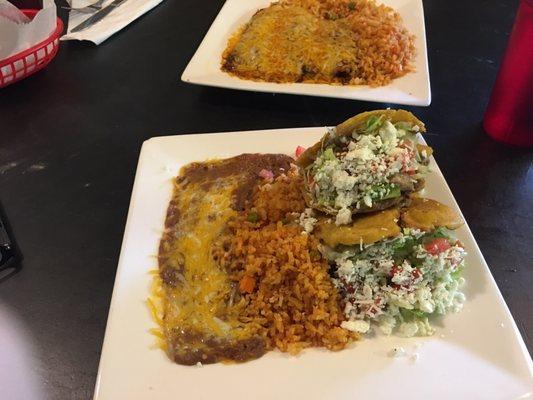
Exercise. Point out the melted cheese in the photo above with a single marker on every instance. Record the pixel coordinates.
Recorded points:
(282, 41)
(199, 303)
(316, 41)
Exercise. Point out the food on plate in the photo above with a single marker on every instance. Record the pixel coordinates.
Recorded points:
(398, 281)
(427, 214)
(281, 277)
(368, 229)
(255, 256)
(198, 322)
(322, 41)
(370, 162)
(236, 276)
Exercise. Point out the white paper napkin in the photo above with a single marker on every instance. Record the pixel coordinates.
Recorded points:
(18, 33)
(120, 17)
(12, 13)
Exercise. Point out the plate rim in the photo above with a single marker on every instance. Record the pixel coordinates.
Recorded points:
(121, 268)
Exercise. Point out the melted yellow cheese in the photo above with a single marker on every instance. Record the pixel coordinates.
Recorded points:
(200, 303)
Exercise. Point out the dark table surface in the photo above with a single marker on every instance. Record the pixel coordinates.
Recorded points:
(70, 138)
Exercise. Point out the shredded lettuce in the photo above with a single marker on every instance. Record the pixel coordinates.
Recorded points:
(404, 125)
(372, 124)
(329, 155)
(440, 232)
(410, 315)
(393, 191)
(457, 273)
(402, 248)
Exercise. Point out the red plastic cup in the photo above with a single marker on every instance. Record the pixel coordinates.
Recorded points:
(509, 115)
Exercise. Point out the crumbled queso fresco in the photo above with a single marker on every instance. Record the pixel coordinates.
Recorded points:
(366, 169)
(308, 220)
(397, 352)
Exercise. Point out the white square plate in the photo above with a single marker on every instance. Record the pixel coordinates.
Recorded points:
(204, 67)
(476, 354)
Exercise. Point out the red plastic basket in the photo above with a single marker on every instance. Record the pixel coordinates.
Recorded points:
(28, 62)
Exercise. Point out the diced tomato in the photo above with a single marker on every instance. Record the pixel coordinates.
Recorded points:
(247, 284)
(372, 310)
(437, 246)
(415, 273)
(299, 151)
(395, 269)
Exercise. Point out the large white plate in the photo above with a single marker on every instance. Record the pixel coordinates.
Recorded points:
(476, 354)
(204, 67)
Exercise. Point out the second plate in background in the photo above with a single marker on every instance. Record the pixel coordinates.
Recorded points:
(204, 67)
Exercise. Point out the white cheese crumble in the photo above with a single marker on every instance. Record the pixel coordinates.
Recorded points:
(356, 326)
(307, 220)
(399, 351)
(344, 216)
(396, 352)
